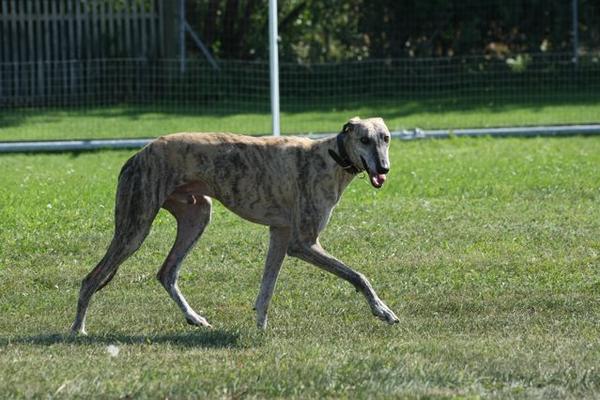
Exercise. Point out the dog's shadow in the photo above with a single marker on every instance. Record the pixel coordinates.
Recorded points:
(215, 338)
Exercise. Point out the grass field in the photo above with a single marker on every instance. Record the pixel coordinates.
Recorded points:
(487, 250)
(131, 121)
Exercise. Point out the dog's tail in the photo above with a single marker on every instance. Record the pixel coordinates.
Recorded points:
(144, 184)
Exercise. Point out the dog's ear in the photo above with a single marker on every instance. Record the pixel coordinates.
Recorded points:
(348, 126)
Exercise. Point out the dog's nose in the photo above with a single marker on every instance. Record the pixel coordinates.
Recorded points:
(382, 170)
(382, 166)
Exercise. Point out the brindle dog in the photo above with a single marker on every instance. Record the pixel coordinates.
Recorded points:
(290, 184)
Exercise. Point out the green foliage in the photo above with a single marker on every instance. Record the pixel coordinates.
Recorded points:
(316, 30)
(486, 249)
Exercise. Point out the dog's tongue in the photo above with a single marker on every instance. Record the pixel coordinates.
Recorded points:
(377, 180)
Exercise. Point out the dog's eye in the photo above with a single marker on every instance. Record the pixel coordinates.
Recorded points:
(386, 139)
(364, 140)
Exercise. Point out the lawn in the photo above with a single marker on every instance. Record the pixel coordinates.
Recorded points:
(140, 121)
(487, 250)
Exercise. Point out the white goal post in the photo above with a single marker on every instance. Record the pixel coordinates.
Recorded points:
(274, 67)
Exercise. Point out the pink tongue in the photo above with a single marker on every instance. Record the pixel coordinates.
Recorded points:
(377, 180)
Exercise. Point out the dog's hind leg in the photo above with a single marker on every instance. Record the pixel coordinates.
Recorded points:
(124, 244)
(135, 209)
(192, 217)
(278, 244)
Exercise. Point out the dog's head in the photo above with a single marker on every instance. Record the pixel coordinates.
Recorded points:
(367, 142)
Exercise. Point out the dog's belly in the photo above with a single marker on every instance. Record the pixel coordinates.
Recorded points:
(255, 205)
(271, 216)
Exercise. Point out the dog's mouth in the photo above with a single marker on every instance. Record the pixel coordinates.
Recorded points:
(377, 180)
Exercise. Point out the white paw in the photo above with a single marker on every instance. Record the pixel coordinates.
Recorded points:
(80, 332)
(384, 313)
(261, 315)
(78, 329)
(261, 323)
(196, 320)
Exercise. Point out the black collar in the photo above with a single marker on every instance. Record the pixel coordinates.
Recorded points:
(342, 159)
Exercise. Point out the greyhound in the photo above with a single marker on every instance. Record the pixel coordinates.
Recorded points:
(290, 184)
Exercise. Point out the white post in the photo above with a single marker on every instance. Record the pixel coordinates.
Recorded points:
(274, 66)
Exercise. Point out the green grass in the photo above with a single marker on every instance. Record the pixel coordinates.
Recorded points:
(132, 121)
(487, 250)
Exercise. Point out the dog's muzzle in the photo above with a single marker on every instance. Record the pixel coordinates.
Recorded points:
(378, 177)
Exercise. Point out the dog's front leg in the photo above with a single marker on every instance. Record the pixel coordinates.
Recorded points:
(278, 245)
(316, 255)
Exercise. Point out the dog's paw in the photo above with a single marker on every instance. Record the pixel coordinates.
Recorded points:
(261, 322)
(197, 320)
(77, 333)
(77, 329)
(261, 325)
(384, 313)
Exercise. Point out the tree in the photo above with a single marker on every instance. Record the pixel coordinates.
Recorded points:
(331, 30)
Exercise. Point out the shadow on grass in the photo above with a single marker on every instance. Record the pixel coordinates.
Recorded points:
(206, 339)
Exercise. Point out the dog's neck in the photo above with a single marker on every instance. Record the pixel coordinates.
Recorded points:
(334, 169)
(340, 155)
